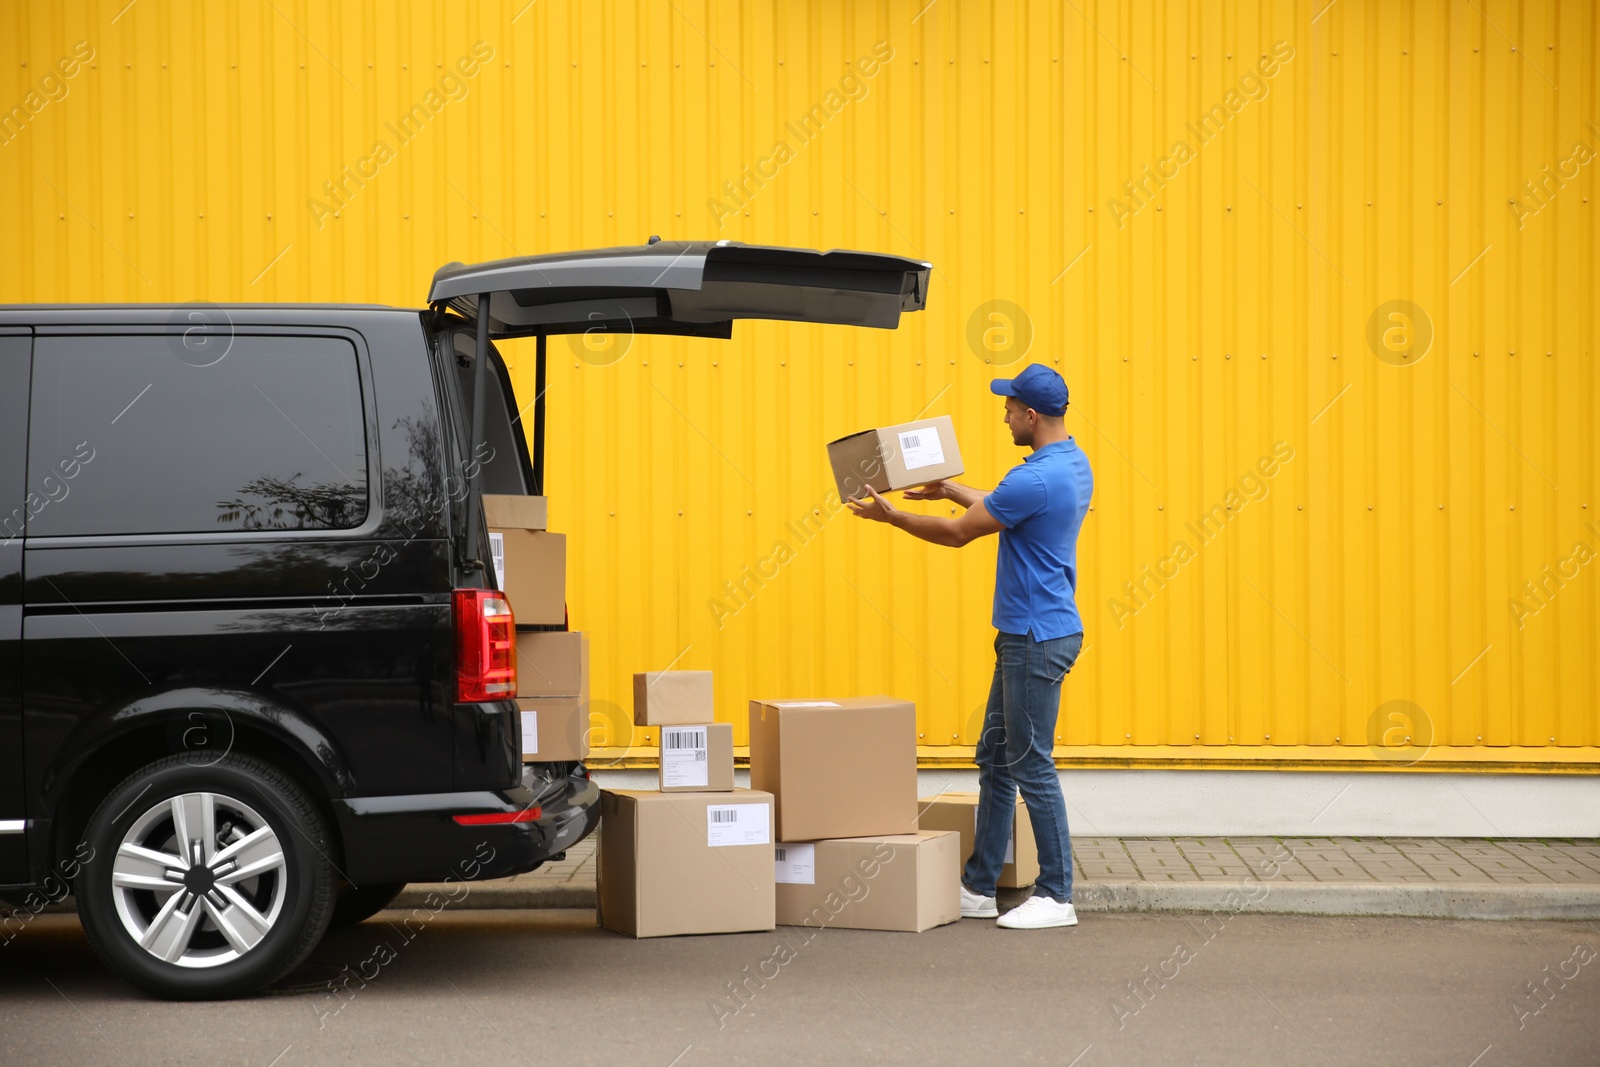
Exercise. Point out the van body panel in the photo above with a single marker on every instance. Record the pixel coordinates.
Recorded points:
(15, 348)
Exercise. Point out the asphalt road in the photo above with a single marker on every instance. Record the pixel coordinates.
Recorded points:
(539, 987)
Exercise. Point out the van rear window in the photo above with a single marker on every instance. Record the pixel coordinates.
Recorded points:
(148, 435)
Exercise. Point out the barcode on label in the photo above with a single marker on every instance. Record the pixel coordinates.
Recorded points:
(921, 448)
(678, 739)
(497, 556)
(721, 815)
(795, 864)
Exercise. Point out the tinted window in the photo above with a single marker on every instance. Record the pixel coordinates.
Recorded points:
(502, 473)
(269, 436)
(13, 441)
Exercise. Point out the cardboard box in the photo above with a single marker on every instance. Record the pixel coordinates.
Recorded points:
(530, 567)
(908, 882)
(509, 512)
(959, 812)
(553, 663)
(553, 695)
(895, 457)
(837, 768)
(697, 758)
(554, 729)
(685, 863)
(673, 698)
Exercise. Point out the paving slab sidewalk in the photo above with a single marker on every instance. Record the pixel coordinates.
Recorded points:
(1454, 878)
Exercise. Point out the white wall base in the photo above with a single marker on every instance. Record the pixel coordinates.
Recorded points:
(1200, 803)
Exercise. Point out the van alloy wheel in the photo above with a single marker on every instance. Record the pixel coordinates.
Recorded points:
(198, 880)
(209, 878)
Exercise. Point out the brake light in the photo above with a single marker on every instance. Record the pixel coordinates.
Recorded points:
(499, 818)
(486, 646)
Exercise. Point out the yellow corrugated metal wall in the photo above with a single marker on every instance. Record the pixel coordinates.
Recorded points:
(1324, 521)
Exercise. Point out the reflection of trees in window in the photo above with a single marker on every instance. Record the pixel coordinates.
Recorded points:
(412, 493)
(282, 504)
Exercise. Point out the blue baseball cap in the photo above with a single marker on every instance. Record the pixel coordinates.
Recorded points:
(1038, 387)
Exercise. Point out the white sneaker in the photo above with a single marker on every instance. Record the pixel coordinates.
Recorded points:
(975, 907)
(1039, 913)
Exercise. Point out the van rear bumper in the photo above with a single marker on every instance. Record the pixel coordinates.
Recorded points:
(415, 838)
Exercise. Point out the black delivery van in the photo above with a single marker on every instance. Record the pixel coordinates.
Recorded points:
(255, 675)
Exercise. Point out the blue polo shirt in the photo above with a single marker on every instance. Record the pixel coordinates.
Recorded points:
(1041, 503)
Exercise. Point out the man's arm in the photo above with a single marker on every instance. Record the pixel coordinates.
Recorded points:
(970, 525)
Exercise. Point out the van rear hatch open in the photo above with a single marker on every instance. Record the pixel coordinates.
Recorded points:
(682, 287)
(686, 288)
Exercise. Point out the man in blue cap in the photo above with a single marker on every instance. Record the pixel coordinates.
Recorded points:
(1037, 509)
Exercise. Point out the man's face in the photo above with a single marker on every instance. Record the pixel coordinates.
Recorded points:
(1021, 419)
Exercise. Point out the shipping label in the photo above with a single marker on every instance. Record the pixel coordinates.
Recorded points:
(796, 864)
(497, 551)
(738, 824)
(684, 759)
(921, 447)
(530, 733)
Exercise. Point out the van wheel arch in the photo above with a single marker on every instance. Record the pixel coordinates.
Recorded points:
(117, 758)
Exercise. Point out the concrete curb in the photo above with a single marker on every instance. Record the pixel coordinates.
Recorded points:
(1300, 898)
(1229, 898)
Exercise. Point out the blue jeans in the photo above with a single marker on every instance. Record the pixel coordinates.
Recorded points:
(1016, 751)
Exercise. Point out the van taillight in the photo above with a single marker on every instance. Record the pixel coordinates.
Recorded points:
(486, 646)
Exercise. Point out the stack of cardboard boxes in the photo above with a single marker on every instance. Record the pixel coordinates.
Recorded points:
(553, 694)
(695, 856)
(831, 814)
(850, 854)
(530, 567)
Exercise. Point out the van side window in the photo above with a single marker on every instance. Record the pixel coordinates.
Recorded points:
(13, 457)
(502, 472)
(503, 465)
(144, 435)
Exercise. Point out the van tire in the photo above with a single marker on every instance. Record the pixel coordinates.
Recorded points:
(259, 820)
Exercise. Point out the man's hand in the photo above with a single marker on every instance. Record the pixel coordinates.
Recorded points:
(939, 490)
(964, 495)
(875, 507)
